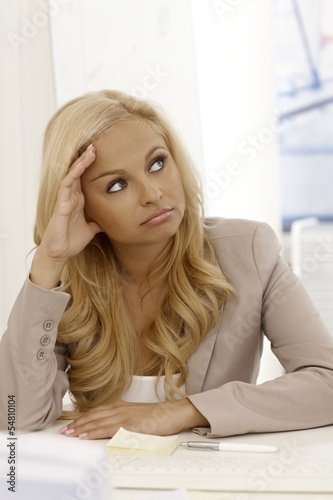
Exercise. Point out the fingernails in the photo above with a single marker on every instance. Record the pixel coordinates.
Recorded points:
(83, 435)
(89, 153)
(66, 431)
(89, 148)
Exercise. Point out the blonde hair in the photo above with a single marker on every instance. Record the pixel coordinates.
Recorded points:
(101, 344)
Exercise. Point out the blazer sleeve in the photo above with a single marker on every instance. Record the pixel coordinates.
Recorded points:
(32, 364)
(302, 397)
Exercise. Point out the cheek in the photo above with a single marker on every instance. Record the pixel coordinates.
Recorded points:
(89, 208)
(179, 189)
(109, 214)
(181, 192)
(94, 209)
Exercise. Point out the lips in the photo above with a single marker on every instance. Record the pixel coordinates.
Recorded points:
(160, 216)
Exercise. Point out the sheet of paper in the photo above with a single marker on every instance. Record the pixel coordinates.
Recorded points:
(135, 443)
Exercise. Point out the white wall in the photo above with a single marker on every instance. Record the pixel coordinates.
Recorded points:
(27, 101)
(235, 73)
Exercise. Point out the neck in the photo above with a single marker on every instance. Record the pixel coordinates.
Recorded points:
(136, 262)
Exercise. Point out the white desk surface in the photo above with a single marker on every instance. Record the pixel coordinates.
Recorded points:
(313, 444)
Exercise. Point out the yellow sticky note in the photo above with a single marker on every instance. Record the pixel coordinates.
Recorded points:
(135, 443)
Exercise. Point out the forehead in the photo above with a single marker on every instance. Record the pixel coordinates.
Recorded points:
(127, 139)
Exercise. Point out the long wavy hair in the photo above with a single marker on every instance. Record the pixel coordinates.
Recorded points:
(100, 343)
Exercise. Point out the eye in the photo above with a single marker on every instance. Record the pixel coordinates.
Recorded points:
(157, 164)
(116, 186)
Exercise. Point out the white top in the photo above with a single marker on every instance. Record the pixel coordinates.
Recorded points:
(143, 389)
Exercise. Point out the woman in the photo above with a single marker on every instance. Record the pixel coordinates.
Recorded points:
(132, 290)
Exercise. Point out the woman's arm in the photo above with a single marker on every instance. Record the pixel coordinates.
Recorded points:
(148, 418)
(32, 366)
(281, 307)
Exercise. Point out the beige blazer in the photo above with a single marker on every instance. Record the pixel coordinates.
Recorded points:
(222, 372)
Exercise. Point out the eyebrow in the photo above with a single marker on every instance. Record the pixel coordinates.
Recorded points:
(123, 172)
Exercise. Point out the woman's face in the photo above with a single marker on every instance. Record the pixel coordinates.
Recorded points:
(133, 188)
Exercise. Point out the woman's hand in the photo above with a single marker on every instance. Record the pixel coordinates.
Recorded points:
(68, 231)
(148, 418)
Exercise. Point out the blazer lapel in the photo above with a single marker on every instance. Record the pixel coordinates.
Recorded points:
(199, 361)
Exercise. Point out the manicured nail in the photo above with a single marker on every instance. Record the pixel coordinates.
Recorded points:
(69, 432)
(89, 148)
(63, 429)
(83, 435)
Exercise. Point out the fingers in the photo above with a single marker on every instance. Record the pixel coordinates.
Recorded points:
(95, 424)
(87, 156)
(70, 184)
(80, 164)
(104, 421)
(94, 430)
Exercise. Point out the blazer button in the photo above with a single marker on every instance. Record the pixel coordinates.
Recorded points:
(48, 325)
(45, 340)
(41, 354)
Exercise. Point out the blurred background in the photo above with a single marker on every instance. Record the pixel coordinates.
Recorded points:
(248, 83)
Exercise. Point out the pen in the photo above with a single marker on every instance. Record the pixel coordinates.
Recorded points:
(218, 446)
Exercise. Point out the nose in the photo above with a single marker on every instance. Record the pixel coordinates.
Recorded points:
(149, 192)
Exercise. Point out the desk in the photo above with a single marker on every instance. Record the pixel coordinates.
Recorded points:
(51, 448)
